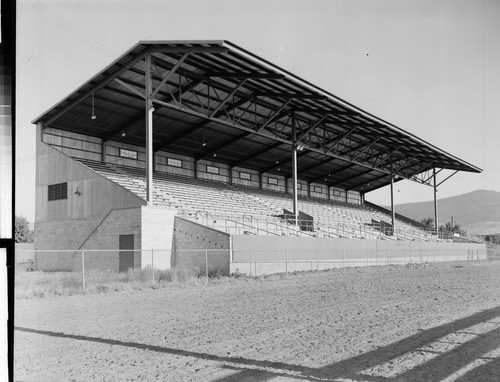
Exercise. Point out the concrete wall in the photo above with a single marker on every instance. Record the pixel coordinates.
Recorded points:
(157, 227)
(106, 236)
(194, 243)
(152, 228)
(271, 254)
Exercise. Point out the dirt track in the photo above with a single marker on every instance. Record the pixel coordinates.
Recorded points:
(425, 323)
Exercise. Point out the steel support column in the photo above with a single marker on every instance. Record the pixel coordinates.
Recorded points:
(294, 171)
(103, 151)
(436, 226)
(149, 130)
(393, 212)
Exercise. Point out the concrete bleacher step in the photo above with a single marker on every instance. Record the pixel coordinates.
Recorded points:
(190, 194)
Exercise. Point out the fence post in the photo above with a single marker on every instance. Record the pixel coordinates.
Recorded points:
(206, 263)
(83, 270)
(317, 259)
(250, 263)
(286, 261)
(153, 265)
(343, 261)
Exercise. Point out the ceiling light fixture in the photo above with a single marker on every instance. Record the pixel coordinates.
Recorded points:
(93, 116)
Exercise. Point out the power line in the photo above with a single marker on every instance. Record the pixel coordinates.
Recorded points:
(78, 34)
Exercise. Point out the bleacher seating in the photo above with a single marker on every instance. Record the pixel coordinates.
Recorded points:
(242, 210)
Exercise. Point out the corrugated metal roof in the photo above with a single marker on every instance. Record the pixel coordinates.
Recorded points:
(244, 109)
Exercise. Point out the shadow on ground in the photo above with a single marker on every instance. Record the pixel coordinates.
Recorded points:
(436, 368)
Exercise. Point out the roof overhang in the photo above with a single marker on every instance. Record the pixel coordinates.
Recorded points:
(214, 100)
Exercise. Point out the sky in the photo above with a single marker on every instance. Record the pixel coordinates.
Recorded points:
(430, 67)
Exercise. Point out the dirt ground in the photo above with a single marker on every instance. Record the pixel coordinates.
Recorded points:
(393, 323)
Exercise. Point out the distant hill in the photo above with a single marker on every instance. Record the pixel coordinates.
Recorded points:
(478, 211)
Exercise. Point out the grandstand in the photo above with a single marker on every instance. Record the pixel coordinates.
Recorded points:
(187, 145)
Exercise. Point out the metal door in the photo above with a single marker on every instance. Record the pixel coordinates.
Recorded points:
(126, 253)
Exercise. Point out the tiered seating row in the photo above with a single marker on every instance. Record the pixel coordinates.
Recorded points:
(238, 209)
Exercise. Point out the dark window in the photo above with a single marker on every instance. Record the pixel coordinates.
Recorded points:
(128, 154)
(318, 189)
(58, 191)
(272, 180)
(337, 193)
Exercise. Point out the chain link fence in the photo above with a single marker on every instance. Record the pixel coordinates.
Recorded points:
(493, 251)
(40, 272)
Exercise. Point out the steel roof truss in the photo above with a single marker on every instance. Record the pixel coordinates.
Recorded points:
(272, 116)
(383, 159)
(172, 71)
(132, 88)
(408, 167)
(312, 127)
(140, 115)
(423, 178)
(448, 177)
(266, 134)
(341, 138)
(364, 147)
(284, 123)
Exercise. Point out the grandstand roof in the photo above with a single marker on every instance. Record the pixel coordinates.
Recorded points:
(214, 100)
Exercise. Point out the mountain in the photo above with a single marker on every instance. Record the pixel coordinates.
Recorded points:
(478, 211)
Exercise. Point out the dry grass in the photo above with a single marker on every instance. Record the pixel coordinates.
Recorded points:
(46, 284)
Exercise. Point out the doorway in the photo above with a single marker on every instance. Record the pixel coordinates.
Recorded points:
(126, 256)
